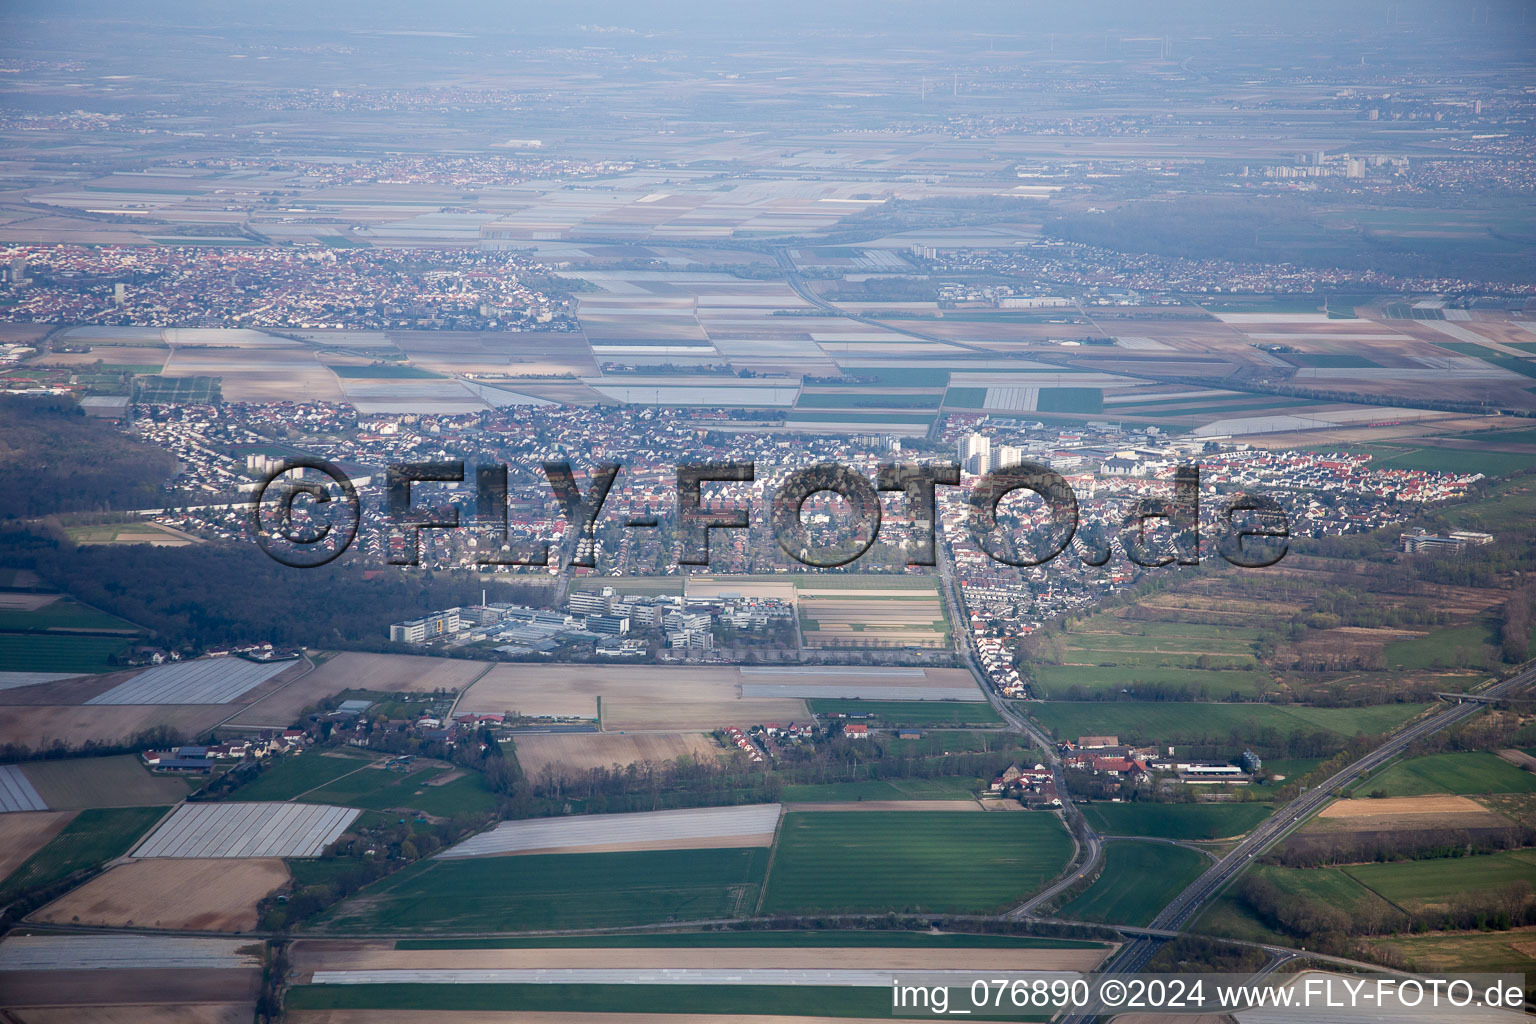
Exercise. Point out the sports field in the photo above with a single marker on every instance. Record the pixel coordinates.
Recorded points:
(1460, 774)
(1123, 893)
(431, 787)
(1177, 821)
(934, 862)
(291, 775)
(578, 890)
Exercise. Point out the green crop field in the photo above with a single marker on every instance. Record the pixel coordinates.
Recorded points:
(947, 788)
(33, 652)
(1331, 886)
(1341, 360)
(815, 938)
(1059, 680)
(866, 400)
(1487, 461)
(1089, 400)
(1187, 722)
(1463, 773)
(1421, 884)
(1122, 893)
(290, 775)
(384, 371)
(728, 1002)
(63, 614)
(93, 837)
(1177, 821)
(890, 860)
(918, 713)
(575, 890)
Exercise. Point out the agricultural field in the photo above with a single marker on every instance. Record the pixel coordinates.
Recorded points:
(888, 714)
(128, 979)
(1177, 821)
(48, 652)
(692, 829)
(75, 783)
(883, 790)
(637, 697)
(871, 616)
(1417, 885)
(883, 683)
(351, 670)
(1502, 952)
(818, 938)
(23, 834)
(566, 754)
(204, 681)
(1189, 722)
(1105, 654)
(241, 830)
(182, 895)
(61, 614)
(37, 726)
(695, 1004)
(153, 534)
(1460, 773)
(92, 837)
(1121, 894)
(576, 890)
(806, 950)
(1388, 814)
(938, 862)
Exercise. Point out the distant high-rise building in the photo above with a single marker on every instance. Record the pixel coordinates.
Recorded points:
(975, 453)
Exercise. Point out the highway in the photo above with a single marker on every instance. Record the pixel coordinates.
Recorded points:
(1184, 907)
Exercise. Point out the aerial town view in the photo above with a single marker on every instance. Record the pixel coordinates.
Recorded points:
(671, 513)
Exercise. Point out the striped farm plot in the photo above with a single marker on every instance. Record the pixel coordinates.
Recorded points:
(248, 830)
(16, 791)
(823, 682)
(123, 952)
(698, 828)
(206, 681)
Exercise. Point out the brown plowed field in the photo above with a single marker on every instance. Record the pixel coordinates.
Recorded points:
(184, 895)
(23, 834)
(576, 753)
